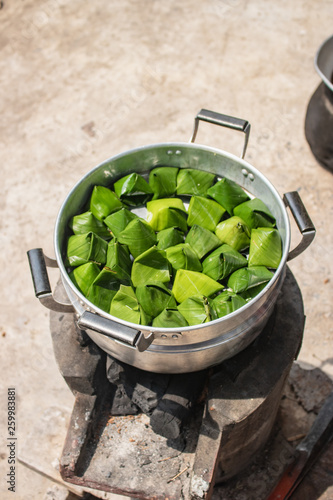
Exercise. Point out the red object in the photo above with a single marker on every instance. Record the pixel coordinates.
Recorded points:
(307, 452)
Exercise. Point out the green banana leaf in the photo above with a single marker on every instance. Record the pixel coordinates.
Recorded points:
(154, 297)
(234, 232)
(248, 277)
(103, 289)
(83, 276)
(119, 261)
(191, 283)
(183, 257)
(169, 318)
(78, 249)
(118, 221)
(197, 310)
(172, 217)
(163, 181)
(104, 202)
(255, 214)
(138, 236)
(145, 319)
(228, 194)
(125, 306)
(83, 248)
(165, 213)
(265, 247)
(101, 297)
(222, 262)
(169, 237)
(133, 189)
(204, 212)
(202, 240)
(151, 265)
(252, 292)
(193, 182)
(87, 223)
(226, 303)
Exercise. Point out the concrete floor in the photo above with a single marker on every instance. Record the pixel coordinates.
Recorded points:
(83, 81)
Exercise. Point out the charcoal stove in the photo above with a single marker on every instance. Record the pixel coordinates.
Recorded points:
(154, 436)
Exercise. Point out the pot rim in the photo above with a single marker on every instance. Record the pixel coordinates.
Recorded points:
(322, 58)
(87, 305)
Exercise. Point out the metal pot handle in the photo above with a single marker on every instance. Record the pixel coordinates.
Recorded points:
(303, 221)
(116, 331)
(224, 121)
(38, 262)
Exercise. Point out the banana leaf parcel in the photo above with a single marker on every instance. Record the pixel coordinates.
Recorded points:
(133, 190)
(222, 262)
(265, 247)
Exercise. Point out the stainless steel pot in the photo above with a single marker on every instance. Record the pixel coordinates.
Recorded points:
(174, 350)
(319, 114)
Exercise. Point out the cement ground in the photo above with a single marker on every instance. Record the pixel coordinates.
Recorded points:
(83, 81)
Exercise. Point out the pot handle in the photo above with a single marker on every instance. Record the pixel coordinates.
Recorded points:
(303, 221)
(224, 121)
(116, 331)
(38, 262)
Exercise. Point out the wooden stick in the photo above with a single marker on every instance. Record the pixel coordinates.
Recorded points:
(177, 475)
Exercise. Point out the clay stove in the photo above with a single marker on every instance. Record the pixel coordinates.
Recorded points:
(186, 433)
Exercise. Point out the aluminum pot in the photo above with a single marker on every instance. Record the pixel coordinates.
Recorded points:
(192, 348)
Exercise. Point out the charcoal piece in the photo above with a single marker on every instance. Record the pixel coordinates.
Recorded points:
(121, 403)
(143, 388)
(114, 371)
(148, 389)
(175, 407)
